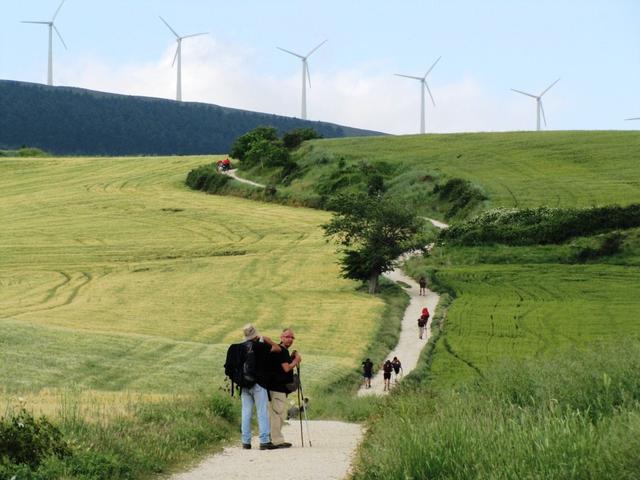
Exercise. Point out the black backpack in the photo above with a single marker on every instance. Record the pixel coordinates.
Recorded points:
(240, 365)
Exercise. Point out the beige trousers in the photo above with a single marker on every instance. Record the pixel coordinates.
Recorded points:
(277, 416)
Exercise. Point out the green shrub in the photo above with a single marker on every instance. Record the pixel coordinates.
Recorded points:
(207, 179)
(26, 440)
(294, 138)
(541, 225)
(461, 195)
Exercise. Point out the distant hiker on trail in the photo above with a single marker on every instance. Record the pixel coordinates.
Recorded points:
(282, 384)
(387, 368)
(423, 285)
(258, 348)
(397, 366)
(226, 164)
(367, 372)
(422, 322)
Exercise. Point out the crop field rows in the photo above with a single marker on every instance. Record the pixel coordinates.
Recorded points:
(522, 311)
(114, 277)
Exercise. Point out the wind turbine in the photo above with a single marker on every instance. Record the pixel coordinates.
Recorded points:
(178, 56)
(52, 27)
(305, 75)
(423, 85)
(539, 107)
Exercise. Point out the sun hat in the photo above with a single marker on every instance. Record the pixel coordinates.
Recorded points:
(250, 332)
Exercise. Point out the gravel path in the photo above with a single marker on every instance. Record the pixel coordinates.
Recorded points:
(409, 345)
(334, 443)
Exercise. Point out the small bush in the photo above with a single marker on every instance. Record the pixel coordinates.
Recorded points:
(26, 440)
(294, 138)
(207, 179)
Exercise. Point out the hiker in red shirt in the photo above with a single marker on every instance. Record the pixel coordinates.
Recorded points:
(422, 322)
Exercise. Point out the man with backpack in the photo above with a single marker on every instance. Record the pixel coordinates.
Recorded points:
(283, 382)
(248, 367)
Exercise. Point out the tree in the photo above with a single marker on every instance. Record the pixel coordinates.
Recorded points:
(266, 153)
(243, 143)
(373, 231)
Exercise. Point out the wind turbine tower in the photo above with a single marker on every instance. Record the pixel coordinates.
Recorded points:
(178, 56)
(539, 107)
(423, 85)
(52, 27)
(305, 75)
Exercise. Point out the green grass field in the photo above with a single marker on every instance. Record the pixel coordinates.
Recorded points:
(521, 169)
(531, 311)
(115, 277)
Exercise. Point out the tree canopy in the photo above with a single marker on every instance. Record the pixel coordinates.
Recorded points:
(373, 231)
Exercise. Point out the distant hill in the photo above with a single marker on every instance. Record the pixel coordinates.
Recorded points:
(75, 121)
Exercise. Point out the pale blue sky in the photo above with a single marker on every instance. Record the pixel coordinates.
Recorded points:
(487, 47)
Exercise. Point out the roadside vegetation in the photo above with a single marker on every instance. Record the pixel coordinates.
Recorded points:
(573, 415)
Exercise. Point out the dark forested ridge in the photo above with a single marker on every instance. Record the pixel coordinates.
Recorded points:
(74, 121)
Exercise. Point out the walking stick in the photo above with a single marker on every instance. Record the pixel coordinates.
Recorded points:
(306, 419)
(300, 415)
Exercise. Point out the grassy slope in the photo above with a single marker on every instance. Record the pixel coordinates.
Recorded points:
(116, 277)
(520, 169)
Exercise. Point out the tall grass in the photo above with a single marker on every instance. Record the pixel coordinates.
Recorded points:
(148, 438)
(573, 416)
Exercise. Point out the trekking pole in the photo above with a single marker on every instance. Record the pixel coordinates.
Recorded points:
(306, 419)
(300, 416)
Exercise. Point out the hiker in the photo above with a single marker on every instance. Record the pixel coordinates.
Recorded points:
(422, 322)
(367, 372)
(257, 394)
(282, 384)
(397, 366)
(226, 164)
(423, 285)
(387, 368)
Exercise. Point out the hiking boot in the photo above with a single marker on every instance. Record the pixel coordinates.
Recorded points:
(283, 445)
(246, 446)
(267, 446)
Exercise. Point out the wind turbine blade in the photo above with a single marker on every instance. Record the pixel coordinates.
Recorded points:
(549, 87)
(524, 93)
(41, 23)
(634, 118)
(195, 35)
(175, 55)
(408, 76)
(290, 52)
(543, 115)
(428, 90)
(309, 54)
(434, 64)
(56, 14)
(60, 37)
(306, 67)
(169, 27)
